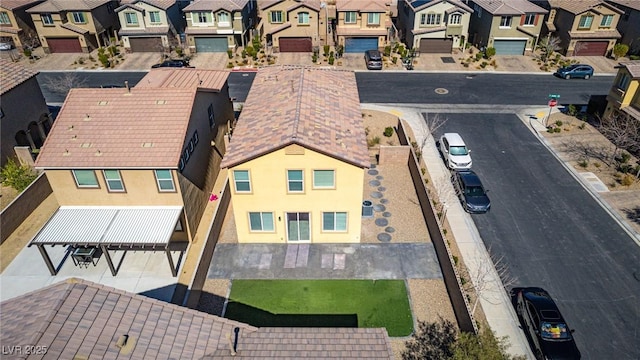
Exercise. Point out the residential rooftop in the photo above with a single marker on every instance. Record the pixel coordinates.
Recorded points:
(56, 6)
(184, 78)
(215, 5)
(510, 7)
(578, 7)
(13, 74)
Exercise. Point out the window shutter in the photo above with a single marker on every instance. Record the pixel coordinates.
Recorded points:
(522, 18)
(535, 22)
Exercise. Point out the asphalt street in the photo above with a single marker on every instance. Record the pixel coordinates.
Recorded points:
(551, 233)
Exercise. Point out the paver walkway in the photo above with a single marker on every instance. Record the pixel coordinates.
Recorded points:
(325, 261)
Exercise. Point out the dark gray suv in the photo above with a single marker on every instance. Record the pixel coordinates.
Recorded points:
(373, 59)
(471, 192)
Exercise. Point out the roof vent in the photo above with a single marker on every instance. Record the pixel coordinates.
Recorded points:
(98, 152)
(70, 127)
(66, 152)
(126, 344)
(147, 144)
(87, 117)
(103, 103)
(161, 102)
(85, 145)
(74, 137)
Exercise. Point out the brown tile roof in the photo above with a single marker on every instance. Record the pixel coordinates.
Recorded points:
(160, 4)
(74, 28)
(578, 7)
(509, 7)
(12, 75)
(362, 6)
(184, 78)
(214, 5)
(632, 66)
(10, 29)
(15, 4)
(423, 5)
(600, 34)
(55, 6)
(633, 4)
(102, 128)
(80, 318)
(155, 30)
(316, 108)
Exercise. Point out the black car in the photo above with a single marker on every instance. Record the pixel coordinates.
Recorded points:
(550, 336)
(471, 192)
(172, 63)
(373, 59)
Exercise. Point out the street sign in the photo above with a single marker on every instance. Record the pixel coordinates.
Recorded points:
(554, 96)
(553, 102)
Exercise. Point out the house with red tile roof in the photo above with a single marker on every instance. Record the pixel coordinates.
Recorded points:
(297, 156)
(293, 25)
(150, 25)
(135, 166)
(362, 25)
(16, 26)
(22, 127)
(78, 319)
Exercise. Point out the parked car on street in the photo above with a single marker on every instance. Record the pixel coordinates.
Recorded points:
(472, 194)
(550, 336)
(173, 63)
(454, 151)
(4, 46)
(575, 71)
(373, 59)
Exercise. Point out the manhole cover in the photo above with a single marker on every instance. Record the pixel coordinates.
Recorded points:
(389, 229)
(386, 214)
(382, 188)
(384, 237)
(379, 177)
(384, 201)
(376, 195)
(448, 60)
(374, 183)
(372, 172)
(441, 91)
(379, 208)
(382, 222)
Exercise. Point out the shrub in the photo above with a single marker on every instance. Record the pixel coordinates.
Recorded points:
(230, 65)
(331, 59)
(388, 131)
(27, 52)
(583, 163)
(620, 50)
(314, 57)
(627, 180)
(387, 50)
(257, 45)
(479, 56)
(16, 175)
(244, 53)
(634, 57)
(558, 122)
(490, 52)
(180, 53)
(597, 164)
(572, 110)
(557, 130)
(455, 259)
(624, 157)
(484, 64)
(230, 53)
(326, 50)
(582, 126)
(394, 59)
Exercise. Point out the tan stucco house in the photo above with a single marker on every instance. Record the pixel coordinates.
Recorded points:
(219, 25)
(624, 97)
(75, 26)
(293, 25)
(511, 27)
(434, 26)
(628, 24)
(150, 25)
(296, 169)
(136, 164)
(16, 26)
(362, 25)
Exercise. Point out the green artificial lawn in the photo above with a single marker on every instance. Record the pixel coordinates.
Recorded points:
(322, 303)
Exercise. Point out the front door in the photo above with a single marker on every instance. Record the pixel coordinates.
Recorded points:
(298, 227)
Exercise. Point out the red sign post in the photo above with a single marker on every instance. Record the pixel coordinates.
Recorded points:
(552, 104)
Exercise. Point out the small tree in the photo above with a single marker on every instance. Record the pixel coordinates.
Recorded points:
(484, 346)
(16, 175)
(623, 132)
(548, 45)
(620, 50)
(489, 52)
(64, 83)
(431, 341)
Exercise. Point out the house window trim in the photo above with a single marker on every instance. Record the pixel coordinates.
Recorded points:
(276, 13)
(508, 20)
(457, 21)
(49, 19)
(529, 19)
(79, 186)
(195, 18)
(235, 182)
(4, 18)
(301, 16)
(301, 181)
(431, 19)
(316, 187)
(80, 14)
(107, 180)
(371, 23)
(335, 222)
(604, 24)
(130, 15)
(585, 27)
(347, 16)
(262, 222)
(224, 23)
(173, 183)
(151, 16)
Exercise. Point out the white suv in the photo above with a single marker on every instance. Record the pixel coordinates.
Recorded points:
(454, 151)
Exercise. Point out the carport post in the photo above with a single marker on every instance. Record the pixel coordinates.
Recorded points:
(109, 261)
(174, 271)
(47, 260)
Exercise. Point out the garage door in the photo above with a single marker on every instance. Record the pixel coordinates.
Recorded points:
(64, 45)
(434, 46)
(146, 44)
(591, 48)
(302, 44)
(509, 47)
(360, 45)
(212, 44)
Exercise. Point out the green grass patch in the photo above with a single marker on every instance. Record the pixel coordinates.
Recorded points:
(322, 303)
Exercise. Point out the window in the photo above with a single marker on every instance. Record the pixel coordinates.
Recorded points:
(350, 17)
(223, 19)
(201, 17)
(455, 19)
(165, 180)
(131, 19)
(585, 22)
(623, 81)
(505, 21)
(4, 18)
(295, 181)
(154, 16)
(606, 21)
(113, 180)
(373, 18)
(303, 18)
(85, 178)
(529, 20)
(334, 221)
(433, 19)
(46, 19)
(78, 17)
(276, 17)
(324, 179)
(261, 221)
(241, 180)
(211, 117)
(179, 227)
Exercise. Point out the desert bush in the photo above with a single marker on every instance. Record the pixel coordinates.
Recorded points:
(583, 164)
(489, 52)
(558, 122)
(627, 180)
(388, 131)
(620, 50)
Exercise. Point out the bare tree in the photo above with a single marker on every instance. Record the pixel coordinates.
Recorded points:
(483, 277)
(548, 45)
(623, 132)
(430, 125)
(445, 194)
(64, 83)
(29, 39)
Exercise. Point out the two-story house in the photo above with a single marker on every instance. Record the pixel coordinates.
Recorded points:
(219, 25)
(150, 25)
(22, 126)
(435, 26)
(585, 28)
(511, 27)
(297, 158)
(293, 25)
(16, 26)
(628, 24)
(624, 97)
(75, 26)
(134, 167)
(362, 25)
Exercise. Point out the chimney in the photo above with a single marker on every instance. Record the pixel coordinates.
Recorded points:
(126, 84)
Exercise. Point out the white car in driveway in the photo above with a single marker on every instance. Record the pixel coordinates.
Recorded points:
(454, 151)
